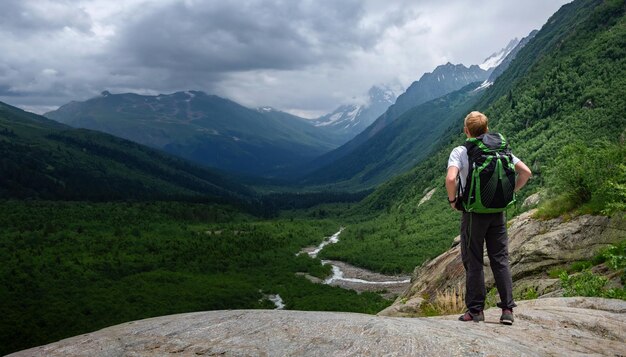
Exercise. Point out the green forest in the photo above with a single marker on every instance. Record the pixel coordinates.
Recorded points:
(74, 267)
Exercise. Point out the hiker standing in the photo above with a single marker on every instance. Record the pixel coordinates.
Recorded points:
(488, 175)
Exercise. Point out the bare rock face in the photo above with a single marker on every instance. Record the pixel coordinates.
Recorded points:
(534, 247)
(532, 200)
(558, 327)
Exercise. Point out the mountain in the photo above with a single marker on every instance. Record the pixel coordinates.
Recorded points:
(43, 159)
(387, 148)
(505, 57)
(443, 80)
(398, 146)
(350, 119)
(203, 128)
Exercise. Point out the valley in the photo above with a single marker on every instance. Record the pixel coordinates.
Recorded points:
(72, 267)
(128, 206)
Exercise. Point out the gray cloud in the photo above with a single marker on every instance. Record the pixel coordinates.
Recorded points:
(28, 17)
(306, 56)
(246, 35)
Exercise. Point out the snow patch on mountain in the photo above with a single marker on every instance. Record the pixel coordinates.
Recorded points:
(483, 85)
(265, 109)
(497, 57)
(350, 119)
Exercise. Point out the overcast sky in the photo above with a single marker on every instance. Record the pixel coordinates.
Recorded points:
(306, 57)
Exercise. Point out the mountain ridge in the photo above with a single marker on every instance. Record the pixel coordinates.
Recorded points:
(47, 160)
(203, 128)
(361, 162)
(351, 119)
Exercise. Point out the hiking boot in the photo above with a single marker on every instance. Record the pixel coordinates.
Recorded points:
(468, 316)
(507, 317)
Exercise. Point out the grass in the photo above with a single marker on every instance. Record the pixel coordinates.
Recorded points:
(450, 301)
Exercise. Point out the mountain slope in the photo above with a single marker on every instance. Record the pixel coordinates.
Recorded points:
(443, 80)
(351, 119)
(203, 128)
(399, 145)
(43, 159)
(510, 56)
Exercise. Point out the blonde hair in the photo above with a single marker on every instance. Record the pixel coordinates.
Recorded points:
(476, 123)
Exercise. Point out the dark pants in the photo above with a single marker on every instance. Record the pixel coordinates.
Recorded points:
(476, 230)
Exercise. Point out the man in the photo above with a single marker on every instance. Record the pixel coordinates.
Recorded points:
(480, 228)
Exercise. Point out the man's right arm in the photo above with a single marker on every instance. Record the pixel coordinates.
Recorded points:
(523, 174)
(454, 166)
(451, 185)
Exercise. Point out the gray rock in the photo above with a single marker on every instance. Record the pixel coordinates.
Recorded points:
(535, 246)
(532, 200)
(557, 327)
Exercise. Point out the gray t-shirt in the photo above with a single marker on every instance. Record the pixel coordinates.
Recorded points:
(458, 158)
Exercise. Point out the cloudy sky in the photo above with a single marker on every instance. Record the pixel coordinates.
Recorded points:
(306, 57)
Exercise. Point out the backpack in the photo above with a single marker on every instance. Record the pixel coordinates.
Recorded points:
(490, 180)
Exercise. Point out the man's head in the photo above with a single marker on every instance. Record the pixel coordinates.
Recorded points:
(475, 124)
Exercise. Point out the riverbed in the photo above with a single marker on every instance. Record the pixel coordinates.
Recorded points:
(351, 277)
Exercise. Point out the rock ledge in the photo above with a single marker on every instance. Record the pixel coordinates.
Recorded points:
(553, 326)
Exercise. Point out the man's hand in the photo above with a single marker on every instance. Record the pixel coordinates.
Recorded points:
(453, 205)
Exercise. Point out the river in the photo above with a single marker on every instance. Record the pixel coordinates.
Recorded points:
(348, 276)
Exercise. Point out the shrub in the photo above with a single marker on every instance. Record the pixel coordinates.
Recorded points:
(530, 294)
(580, 266)
(583, 284)
(587, 176)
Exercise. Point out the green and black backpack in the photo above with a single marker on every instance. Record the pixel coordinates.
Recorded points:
(491, 176)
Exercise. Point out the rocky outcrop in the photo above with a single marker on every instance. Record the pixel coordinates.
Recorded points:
(557, 327)
(535, 246)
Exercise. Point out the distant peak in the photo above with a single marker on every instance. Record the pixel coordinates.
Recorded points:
(381, 93)
(497, 57)
(105, 93)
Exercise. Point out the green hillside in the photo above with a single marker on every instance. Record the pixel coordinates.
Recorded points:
(203, 128)
(443, 80)
(565, 90)
(42, 159)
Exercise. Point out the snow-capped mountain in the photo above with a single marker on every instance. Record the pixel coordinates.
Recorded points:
(500, 61)
(350, 119)
(497, 57)
(345, 114)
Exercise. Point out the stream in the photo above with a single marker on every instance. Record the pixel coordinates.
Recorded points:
(348, 276)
